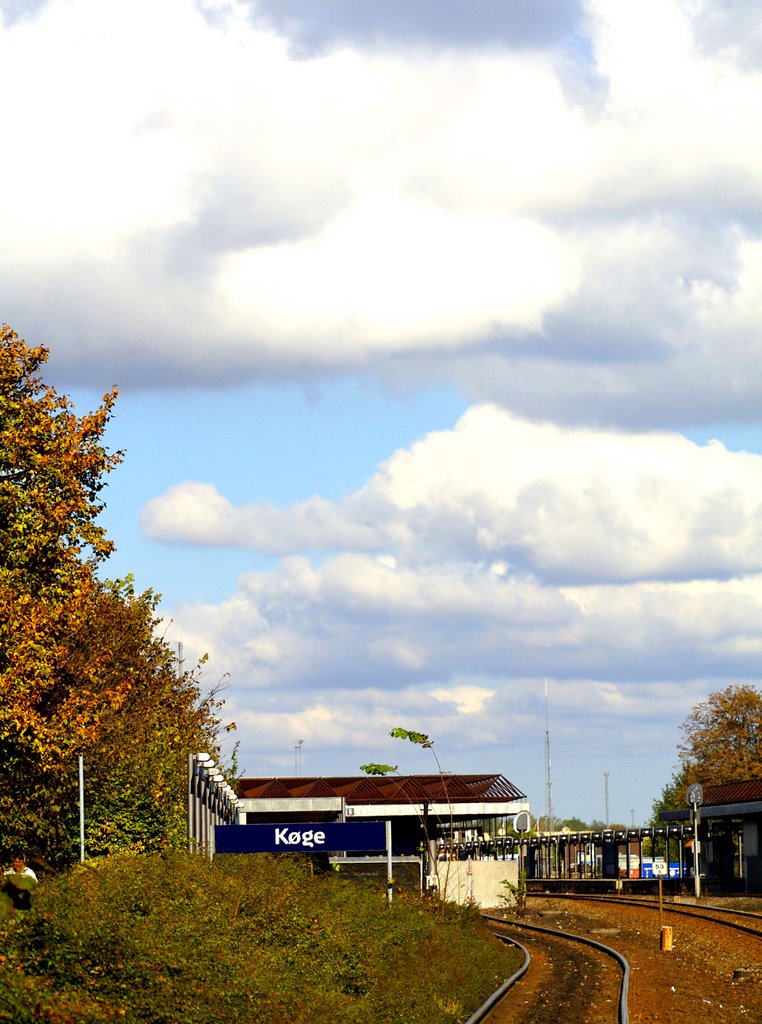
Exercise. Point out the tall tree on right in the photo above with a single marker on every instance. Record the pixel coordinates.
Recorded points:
(722, 737)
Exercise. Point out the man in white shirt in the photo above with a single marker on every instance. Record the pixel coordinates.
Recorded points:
(18, 882)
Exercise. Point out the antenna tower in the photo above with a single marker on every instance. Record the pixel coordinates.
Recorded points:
(548, 788)
(298, 757)
(606, 795)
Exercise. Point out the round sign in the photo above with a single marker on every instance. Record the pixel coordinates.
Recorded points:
(521, 821)
(695, 793)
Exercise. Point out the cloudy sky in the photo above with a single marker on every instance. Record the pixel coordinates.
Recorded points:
(437, 326)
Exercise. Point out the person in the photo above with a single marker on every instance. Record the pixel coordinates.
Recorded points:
(18, 881)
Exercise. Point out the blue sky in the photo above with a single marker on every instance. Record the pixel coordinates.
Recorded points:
(282, 444)
(437, 332)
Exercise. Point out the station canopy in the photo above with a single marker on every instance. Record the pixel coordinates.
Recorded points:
(329, 798)
(730, 799)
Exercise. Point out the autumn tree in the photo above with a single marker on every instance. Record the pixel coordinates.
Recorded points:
(722, 737)
(146, 716)
(81, 670)
(672, 796)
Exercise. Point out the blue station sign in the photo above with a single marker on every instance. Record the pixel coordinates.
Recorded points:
(301, 837)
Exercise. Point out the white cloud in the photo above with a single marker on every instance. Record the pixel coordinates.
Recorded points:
(316, 628)
(568, 229)
(562, 504)
(193, 512)
(390, 276)
(218, 209)
(622, 567)
(467, 699)
(319, 654)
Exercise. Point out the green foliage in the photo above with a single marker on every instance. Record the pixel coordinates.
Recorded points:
(515, 896)
(173, 938)
(578, 825)
(136, 767)
(81, 668)
(672, 797)
(378, 769)
(420, 738)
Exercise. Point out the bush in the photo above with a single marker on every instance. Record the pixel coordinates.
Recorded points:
(258, 940)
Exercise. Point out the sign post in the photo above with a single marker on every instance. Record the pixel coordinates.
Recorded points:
(301, 837)
(695, 795)
(389, 878)
(660, 869)
(521, 825)
(309, 837)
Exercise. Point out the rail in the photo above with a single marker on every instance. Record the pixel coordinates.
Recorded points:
(623, 1016)
(702, 913)
(478, 1015)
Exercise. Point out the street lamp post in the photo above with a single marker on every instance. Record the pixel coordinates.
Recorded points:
(81, 766)
(695, 795)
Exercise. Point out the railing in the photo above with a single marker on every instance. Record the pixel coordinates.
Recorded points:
(211, 801)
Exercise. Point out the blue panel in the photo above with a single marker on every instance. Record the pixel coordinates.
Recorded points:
(313, 837)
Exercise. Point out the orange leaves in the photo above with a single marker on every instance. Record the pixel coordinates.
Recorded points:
(81, 668)
(52, 466)
(723, 736)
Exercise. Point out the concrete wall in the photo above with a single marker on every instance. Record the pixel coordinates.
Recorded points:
(476, 881)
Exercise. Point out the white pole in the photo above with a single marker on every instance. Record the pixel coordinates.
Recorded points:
(81, 809)
(389, 876)
(696, 875)
(191, 801)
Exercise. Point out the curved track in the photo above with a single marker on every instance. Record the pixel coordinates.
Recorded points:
(740, 920)
(576, 978)
(486, 1008)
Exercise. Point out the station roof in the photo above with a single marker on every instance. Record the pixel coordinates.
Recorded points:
(384, 789)
(733, 793)
(366, 796)
(731, 799)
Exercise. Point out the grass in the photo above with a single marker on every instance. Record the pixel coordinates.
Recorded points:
(256, 940)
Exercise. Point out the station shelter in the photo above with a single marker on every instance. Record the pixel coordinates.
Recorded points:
(730, 836)
(608, 853)
(434, 817)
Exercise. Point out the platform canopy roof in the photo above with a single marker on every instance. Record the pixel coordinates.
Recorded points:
(733, 793)
(374, 795)
(383, 789)
(731, 799)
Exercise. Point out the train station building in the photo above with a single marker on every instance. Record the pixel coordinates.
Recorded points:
(730, 832)
(434, 817)
(728, 855)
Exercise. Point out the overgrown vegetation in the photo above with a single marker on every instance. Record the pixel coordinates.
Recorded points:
(258, 940)
(514, 899)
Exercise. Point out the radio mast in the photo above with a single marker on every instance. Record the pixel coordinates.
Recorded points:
(548, 797)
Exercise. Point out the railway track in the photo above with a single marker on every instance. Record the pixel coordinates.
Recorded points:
(565, 977)
(745, 921)
(710, 971)
(713, 972)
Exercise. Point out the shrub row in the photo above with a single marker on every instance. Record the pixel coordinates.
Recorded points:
(257, 940)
